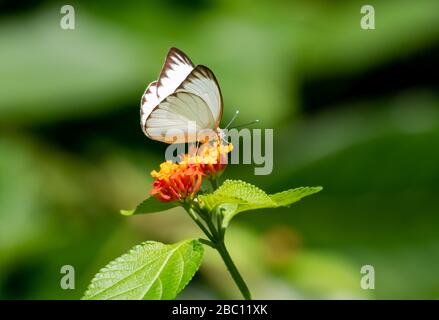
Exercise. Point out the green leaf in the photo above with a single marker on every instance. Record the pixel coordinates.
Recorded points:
(288, 197)
(235, 196)
(152, 270)
(150, 205)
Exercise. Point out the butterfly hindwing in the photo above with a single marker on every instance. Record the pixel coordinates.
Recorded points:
(202, 82)
(170, 122)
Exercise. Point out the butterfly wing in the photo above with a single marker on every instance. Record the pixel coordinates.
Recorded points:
(149, 101)
(182, 94)
(179, 118)
(198, 99)
(176, 68)
(202, 82)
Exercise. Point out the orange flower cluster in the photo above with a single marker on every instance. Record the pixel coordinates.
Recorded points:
(176, 181)
(180, 181)
(212, 160)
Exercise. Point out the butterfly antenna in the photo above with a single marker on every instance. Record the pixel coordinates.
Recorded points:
(225, 140)
(233, 119)
(246, 124)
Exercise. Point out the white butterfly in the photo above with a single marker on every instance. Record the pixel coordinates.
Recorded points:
(182, 94)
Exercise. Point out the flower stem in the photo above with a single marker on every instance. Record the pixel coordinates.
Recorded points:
(233, 270)
(207, 243)
(216, 237)
(193, 215)
(214, 183)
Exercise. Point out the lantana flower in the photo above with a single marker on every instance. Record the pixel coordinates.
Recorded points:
(176, 182)
(212, 159)
(181, 181)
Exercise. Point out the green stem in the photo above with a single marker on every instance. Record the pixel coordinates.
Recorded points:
(233, 270)
(206, 216)
(216, 237)
(214, 183)
(194, 217)
(208, 243)
(221, 229)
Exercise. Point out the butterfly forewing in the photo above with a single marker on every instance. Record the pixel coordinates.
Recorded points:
(149, 102)
(175, 70)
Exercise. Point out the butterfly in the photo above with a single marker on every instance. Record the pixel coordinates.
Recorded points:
(183, 94)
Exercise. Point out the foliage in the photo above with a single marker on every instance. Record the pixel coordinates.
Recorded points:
(235, 196)
(151, 270)
(157, 271)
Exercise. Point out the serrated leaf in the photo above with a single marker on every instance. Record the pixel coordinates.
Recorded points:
(152, 270)
(288, 197)
(150, 205)
(235, 196)
(243, 191)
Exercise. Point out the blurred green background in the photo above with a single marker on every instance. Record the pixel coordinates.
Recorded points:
(355, 111)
